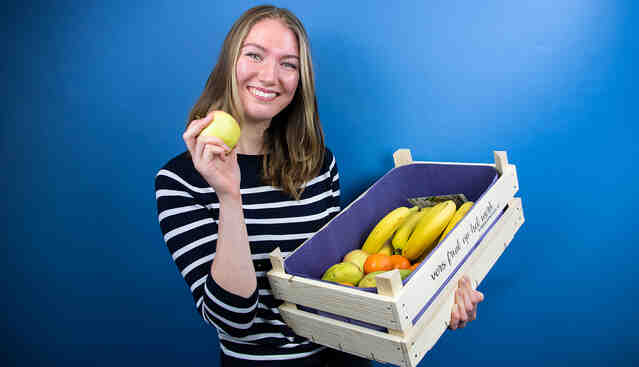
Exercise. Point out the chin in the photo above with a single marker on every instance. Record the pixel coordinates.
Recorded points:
(261, 114)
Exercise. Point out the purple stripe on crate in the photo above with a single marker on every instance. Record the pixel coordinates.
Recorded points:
(430, 301)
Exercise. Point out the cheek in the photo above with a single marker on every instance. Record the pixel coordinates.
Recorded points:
(291, 83)
(242, 71)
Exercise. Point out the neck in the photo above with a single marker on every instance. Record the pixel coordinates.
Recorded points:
(251, 140)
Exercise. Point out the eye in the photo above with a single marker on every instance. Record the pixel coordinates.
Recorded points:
(289, 65)
(254, 56)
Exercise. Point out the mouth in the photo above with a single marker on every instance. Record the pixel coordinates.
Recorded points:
(263, 94)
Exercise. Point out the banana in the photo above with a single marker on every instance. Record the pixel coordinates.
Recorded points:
(459, 214)
(385, 228)
(428, 229)
(403, 233)
(387, 248)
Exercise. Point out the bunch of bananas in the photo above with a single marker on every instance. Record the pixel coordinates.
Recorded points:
(400, 240)
(413, 233)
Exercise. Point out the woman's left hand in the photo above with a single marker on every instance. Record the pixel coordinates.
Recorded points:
(465, 307)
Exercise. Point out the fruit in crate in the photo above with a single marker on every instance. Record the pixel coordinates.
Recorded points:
(428, 229)
(369, 281)
(385, 228)
(400, 262)
(378, 262)
(387, 249)
(357, 257)
(459, 214)
(404, 273)
(343, 272)
(403, 233)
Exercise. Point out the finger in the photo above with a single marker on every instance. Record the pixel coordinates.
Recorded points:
(461, 283)
(212, 152)
(194, 129)
(214, 140)
(214, 149)
(462, 321)
(463, 316)
(470, 307)
(477, 297)
(454, 318)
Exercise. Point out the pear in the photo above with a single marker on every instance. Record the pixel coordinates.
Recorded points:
(343, 272)
(357, 257)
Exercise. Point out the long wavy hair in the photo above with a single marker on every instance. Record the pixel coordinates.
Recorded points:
(294, 142)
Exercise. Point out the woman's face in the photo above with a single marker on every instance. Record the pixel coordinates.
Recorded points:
(267, 70)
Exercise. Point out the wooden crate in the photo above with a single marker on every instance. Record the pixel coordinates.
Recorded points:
(414, 313)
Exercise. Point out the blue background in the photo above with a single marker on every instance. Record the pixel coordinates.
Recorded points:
(95, 99)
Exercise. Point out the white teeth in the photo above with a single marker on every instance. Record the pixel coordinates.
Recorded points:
(259, 93)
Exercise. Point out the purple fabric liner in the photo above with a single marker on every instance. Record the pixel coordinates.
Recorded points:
(349, 229)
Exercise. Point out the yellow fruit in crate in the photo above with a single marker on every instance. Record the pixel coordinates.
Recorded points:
(387, 249)
(406, 229)
(357, 257)
(428, 229)
(385, 228)
(404, 273)
(368, 280)
(344, 272)
(459, 214)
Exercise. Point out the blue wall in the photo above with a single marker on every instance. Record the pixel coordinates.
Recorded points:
(96, 94)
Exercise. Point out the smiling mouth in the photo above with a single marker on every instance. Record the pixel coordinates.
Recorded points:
(262, 94)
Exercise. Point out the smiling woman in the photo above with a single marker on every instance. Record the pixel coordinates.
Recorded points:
(222, 210)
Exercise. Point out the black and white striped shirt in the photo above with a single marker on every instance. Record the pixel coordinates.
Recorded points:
(188, 208)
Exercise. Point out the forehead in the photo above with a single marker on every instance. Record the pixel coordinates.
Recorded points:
(273, 35)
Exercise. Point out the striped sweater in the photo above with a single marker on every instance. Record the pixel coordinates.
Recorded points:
(188, 208)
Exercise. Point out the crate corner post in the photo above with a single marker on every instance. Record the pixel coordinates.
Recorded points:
(277, 261)
(402, 157)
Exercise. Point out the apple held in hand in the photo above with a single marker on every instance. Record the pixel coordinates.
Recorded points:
(224, 127)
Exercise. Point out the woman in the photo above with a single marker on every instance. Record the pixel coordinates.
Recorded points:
(223, 210)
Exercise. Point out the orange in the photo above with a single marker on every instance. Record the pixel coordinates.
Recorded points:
(415, 265)
(378, 262)
(400, 262)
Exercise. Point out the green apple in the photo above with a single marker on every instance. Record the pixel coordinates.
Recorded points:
(224, 127)
(357, 257)
(369, 281)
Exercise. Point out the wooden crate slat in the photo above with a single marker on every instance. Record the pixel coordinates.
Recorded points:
(336, 299)
(347, 337)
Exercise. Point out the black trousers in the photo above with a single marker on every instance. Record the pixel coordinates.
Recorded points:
(326, 358)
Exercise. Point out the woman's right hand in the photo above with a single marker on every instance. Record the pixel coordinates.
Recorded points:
(213, 159)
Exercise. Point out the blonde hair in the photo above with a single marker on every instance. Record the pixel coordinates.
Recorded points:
(294, 142)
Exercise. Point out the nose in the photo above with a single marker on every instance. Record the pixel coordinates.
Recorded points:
(268, 72)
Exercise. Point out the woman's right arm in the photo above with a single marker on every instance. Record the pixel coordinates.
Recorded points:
(212, 255)
(232, 268)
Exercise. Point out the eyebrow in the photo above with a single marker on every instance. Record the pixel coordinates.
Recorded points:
(263, 49)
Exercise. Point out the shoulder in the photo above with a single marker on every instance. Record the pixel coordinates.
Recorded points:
(330, 162)
(180, 162)
(179, 169)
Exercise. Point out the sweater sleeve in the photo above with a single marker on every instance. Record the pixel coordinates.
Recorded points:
(190, 233)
